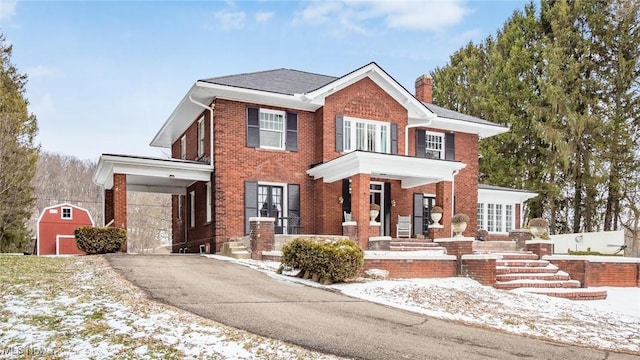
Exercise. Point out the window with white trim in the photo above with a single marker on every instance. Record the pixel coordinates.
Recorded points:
(66, 213)
(508, 217)
(201, 137)
(179, 207)
(491, 217)
(434, 145)
(209, 202)
(272, 134)
(183, 147)
(496, 217)
(368, 135)
(192, 209)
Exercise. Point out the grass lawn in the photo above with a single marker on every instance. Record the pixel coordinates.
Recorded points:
(79, 308)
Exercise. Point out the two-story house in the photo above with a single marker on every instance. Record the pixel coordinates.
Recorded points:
(308, 150)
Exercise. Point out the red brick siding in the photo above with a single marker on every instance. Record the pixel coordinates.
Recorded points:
(481, 270)
(592, 274)
(413, 268)
(234, 163)
(365, 100)
(262, 238)
(192, 139)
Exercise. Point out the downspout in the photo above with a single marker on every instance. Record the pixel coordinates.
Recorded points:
(453, 194)
(406, 134)
(211, 109)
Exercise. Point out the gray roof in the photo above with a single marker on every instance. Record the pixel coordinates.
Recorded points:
(281, 81)
(500, 188)
(289, 82)
(450, 114)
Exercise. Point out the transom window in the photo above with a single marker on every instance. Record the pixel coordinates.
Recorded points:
(367, 135)
(272, 129)
(434, 145)
(66, 213)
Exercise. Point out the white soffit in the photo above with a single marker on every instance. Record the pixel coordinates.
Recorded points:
(150, 175)
(411, 171)
(504, 196)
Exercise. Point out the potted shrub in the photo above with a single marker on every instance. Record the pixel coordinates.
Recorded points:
(538, 226)
(459, 224)
(374, 210)
(436, 214)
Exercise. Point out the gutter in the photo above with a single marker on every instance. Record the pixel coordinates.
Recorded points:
(406, 134)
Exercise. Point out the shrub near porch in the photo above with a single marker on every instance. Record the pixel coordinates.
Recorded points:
(325, 261)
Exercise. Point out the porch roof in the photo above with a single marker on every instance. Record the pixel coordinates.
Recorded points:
(411, 171)
(147, 174)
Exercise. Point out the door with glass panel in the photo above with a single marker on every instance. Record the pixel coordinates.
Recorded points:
(270, 204)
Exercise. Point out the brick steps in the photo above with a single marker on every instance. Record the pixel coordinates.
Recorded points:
(235, 249)
(573, 294)
(524, 272)
(415, 245)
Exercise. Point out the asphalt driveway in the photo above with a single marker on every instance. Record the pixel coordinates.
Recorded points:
(322, 320)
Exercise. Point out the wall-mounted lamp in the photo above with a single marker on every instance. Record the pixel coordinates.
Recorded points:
(340, 199)
(393, 203)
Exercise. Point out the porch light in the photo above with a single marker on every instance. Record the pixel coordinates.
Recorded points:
(393, 203)
(340, 199)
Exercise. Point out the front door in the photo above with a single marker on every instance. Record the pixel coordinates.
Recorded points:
(270, 204)
(376, 196)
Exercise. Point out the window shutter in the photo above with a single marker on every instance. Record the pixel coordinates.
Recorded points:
(394, 138)
(387, 209)
(449, 146)
(292, 132)
(418, 213)
(253, 127)
(339, 130)
(421, 143)
(346, 196)
(293, 197)
(250, 203)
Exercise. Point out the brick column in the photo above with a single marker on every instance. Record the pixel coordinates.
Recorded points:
(350, 230)
(360, 207)
(120, 204)
(481, 268)
(457, 247)
(540, 247)
(262, 235)
(443, 199)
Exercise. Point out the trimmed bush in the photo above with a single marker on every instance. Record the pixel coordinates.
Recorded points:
(100, 240)
(322, 260)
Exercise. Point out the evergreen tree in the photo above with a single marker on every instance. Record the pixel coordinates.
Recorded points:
(18, 155)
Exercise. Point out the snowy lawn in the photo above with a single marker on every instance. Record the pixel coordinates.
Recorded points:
(79, 308)
(612, 324)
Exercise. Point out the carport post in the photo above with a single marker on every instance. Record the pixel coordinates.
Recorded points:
(120, 204)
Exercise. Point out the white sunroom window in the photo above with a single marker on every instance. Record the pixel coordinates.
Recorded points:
(367, 135)
(495, 217)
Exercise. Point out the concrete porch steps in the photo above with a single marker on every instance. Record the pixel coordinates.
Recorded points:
(403, 244)
(235, 249)
(524, 272)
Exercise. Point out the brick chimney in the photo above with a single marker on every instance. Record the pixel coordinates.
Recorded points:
(424, 88)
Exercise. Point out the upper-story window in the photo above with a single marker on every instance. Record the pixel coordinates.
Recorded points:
(183, 147)
(272, 129)
(366, 135)
(66, 213)
(200, 137)
(434, 145)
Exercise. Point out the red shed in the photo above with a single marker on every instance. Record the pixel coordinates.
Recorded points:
(56, 227)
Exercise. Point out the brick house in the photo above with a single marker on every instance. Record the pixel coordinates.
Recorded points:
(308, 150)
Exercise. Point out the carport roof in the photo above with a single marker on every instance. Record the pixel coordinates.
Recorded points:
(148, 174)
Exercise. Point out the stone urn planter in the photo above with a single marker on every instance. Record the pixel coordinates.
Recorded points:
(374, 210)
(538, 227)
(459, 224)
(436, 215)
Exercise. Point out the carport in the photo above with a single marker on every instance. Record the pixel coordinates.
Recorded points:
(117, 174)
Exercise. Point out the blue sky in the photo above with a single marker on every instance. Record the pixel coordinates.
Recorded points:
(104, 76)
